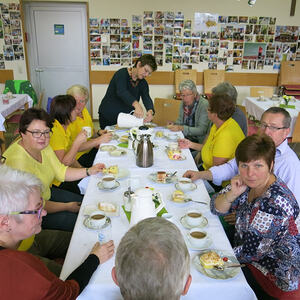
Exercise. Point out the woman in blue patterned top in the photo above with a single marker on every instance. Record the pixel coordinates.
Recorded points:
(267, 226)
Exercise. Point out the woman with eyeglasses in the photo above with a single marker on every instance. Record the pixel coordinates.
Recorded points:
(267, 235)
(192, 120)
(89, 148)
(22, 275)
(125, 89)
(32, 153)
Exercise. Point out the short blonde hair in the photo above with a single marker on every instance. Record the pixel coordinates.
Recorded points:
(78, 89)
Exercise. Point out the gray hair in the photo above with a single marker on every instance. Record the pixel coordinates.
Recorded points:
(279, 110)
(78, 89)
(188, 85)
(225, 88)
(152, 261)
(15, 189)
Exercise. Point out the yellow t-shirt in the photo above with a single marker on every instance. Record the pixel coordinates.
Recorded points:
(221, 142)
(50, 168)
(60, 140)
(75, 127)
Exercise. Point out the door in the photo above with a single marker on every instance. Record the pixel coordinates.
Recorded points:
(57, 46)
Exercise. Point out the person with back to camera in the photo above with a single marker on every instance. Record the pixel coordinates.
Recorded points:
(152, 262)
(22, 275)
(125, 89)
(267, 235)
(89, 148)
(192, 120)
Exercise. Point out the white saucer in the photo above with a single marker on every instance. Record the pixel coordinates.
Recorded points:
(118, 152)
(188, 226)
(101, 187)
(108, 148)
(87, 224)
(193, 247)
(194, 186)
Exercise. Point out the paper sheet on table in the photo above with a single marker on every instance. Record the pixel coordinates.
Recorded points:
(83, 184)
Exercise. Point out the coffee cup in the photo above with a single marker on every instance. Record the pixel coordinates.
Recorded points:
(108, 181)
(194, 218)
(88, 130)
(185, 183)
(197, 237)
(173, 146)
(97, 219)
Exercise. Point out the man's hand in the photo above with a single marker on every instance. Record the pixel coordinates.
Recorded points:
(104, 251)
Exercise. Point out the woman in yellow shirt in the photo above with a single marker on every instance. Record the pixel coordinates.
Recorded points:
(89, 148)
(224, 136)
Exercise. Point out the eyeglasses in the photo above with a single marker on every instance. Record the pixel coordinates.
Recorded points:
(38, 134)
(272, 128)
(37, 212)
(187, 95)
(2, 159)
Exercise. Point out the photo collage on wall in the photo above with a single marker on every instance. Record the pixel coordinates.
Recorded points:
(210, 42)
(10, 33)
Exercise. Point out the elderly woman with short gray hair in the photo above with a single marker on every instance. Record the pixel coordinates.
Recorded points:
(192, 119)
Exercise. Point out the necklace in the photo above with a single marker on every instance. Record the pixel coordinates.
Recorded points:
(257, 192)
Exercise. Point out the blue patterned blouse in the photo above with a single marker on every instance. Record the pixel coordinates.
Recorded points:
(267, 233)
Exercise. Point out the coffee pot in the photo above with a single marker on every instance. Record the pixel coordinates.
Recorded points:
(143, 206)
(144, 151)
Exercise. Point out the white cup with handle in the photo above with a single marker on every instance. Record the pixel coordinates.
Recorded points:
(88, 131)
(129, 120)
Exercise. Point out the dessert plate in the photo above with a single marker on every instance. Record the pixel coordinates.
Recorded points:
(118, 152)
(192, 188)
(87, 224)
(101, 187)
(108, 148)
(169, 178)
(186, 225)
(214, 273)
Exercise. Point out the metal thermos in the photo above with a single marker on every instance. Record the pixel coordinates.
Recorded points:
(144, 152)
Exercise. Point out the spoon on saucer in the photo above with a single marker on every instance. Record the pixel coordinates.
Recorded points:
(189, 199)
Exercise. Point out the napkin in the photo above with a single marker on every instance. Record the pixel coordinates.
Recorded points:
(83, 184)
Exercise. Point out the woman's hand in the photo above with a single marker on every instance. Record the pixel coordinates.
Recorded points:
(194, 175)
(149, 116)
(184, 143)
(105, 138)
(97, 168)
(238, 187)
(104, 252)
(81, 137)
(230, 218)
(175, 127)
(73, 206)
(138, 110)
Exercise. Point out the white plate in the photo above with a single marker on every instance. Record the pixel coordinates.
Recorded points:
(206, 245)
(182, 157)
(153, 177)
(110, 213)
(176, 137)
(101, 187)
(194, 186)
(108, 148)
(186, 225)
(218, 274)
(118, 152)
(87, 224)
(123, 173)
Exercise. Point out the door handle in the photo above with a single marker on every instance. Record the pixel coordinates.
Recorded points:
(39, 70)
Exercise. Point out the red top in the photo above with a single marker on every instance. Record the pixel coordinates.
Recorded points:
(24, 276)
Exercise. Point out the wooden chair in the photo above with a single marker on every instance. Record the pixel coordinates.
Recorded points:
(296, 132)
(181, 75)
(165, 110)
(256, 91)
(211, 79)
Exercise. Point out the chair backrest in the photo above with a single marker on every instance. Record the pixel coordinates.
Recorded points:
(296, 132)
(165, 110)
(257, 91)
(211, 79)
(21, 87)
(181, 75)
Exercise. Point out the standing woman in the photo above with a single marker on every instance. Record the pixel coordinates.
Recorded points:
(192, 120)
(32, 153)
(89, 148)
(125, 90)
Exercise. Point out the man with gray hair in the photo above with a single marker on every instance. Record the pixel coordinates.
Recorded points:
(152, 262)
(226, 88)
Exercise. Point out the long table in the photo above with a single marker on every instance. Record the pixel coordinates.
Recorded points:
(101, 285)
(256, 108)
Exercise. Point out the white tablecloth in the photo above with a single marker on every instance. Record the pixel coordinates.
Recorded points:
(256, 109)
(14, 104)
(101, 285)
